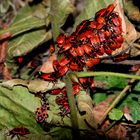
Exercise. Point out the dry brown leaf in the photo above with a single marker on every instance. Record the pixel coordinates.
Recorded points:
(3, 51)
(129, 31)
(47, 67)
(117, 132)
(99, 109)
(6, 73)
(132, 11)
(127, 113)
(85, 105)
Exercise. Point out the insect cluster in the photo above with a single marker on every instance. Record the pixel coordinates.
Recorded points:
(92, 39)
(82, 49)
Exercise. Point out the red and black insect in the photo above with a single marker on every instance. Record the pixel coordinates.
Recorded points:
(62, 101)
(121, 57)
(82, 27)
(61, 40)
(48, 76)
(19, 131)
(52, 48)
(41, 113)
(55, 91)
(65, 111)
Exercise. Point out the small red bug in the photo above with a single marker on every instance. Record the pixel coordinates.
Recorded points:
(65, 111)
(100, 13)
(101, 50)
(119, 39)
(107, 50)
(52, 48)
(117, 30)
(94, 40)
(93, 24)
(76, 88)
(100, 20)
(79, 51)
(88, 33)
(56, 65)
(88, 49)
(90, 62)
(82, 26)
(75, 66)
(19, 131)
(86, 82)
(61, 100)
(82, 37)
(116, 20)
(48, 76)
(55, 91)
(113, 45)
(20, 59)
(61, 40)
(121, 57)
(110, 9)
(64, 61)
(102, 35)
(73, 52)
(62, 70)
(65, 47)
(41, 113)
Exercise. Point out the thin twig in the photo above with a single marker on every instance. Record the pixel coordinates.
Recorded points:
(89, 74)
(118, 98)
(125, 62)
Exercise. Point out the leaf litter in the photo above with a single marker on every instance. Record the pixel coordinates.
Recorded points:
(93, 112)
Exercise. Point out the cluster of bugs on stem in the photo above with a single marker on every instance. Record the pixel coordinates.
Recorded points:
(83, 49)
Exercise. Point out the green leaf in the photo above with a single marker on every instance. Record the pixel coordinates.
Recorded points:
(115, 114)
(92, 6)
(44, 86)
(23, 44)
(132, 101)
(112, 81)
(25, 21)
(60, 9)
(99, 97)
(17, 108)
(59, 133)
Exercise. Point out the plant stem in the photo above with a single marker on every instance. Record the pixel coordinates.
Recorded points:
(72, 105)
(118, 98)
(89, 74)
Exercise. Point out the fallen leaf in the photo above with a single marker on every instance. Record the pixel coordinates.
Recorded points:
(117, 132)
(99, 109)
(3, 51)
(85, 105)
(47, 67)
(33, 85)
(131, 33)
(127, 113)
(6, 73)
(132, 10)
